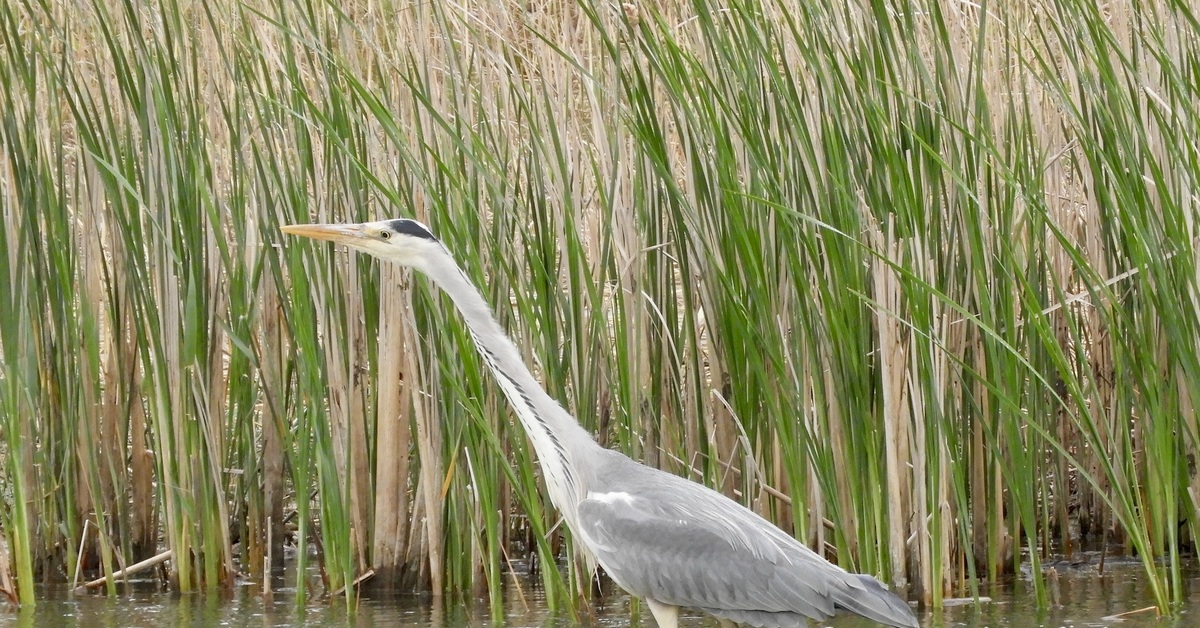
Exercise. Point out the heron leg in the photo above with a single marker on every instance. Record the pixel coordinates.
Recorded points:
(666, 615)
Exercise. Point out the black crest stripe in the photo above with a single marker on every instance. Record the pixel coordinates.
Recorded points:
(410, 227)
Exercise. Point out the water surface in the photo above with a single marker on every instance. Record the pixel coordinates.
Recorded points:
(1082, 597)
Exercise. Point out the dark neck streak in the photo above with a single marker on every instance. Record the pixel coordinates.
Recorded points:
(562, 445)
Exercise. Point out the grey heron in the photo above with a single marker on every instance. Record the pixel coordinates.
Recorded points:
(673, 542)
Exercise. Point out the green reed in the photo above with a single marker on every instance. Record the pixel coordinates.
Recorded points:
(915, 281)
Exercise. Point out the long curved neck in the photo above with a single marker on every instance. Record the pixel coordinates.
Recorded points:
(562, 445)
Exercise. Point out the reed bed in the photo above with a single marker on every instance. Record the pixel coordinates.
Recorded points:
(915, 280)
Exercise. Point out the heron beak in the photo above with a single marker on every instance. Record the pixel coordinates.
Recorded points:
(342, 234)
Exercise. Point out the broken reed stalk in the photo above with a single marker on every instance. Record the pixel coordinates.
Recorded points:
(128, 571)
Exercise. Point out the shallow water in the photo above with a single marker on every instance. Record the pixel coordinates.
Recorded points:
(1082, 597)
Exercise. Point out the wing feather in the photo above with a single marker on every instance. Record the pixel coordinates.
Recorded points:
(680, 543)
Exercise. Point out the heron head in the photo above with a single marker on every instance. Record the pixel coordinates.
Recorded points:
(404, 241)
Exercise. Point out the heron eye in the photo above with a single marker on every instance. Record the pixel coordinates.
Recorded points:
(386, 235)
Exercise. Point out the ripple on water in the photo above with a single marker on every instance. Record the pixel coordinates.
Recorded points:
(1082, 597)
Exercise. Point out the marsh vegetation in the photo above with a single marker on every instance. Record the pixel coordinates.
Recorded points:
(915, 280)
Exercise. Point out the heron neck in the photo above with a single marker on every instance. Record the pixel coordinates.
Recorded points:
(557, 437)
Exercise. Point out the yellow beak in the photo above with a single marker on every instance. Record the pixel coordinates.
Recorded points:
(342, 234)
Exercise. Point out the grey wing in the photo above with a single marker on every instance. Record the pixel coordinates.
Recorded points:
(682, 544)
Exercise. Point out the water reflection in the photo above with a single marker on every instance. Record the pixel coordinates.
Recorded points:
(1083, 597)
